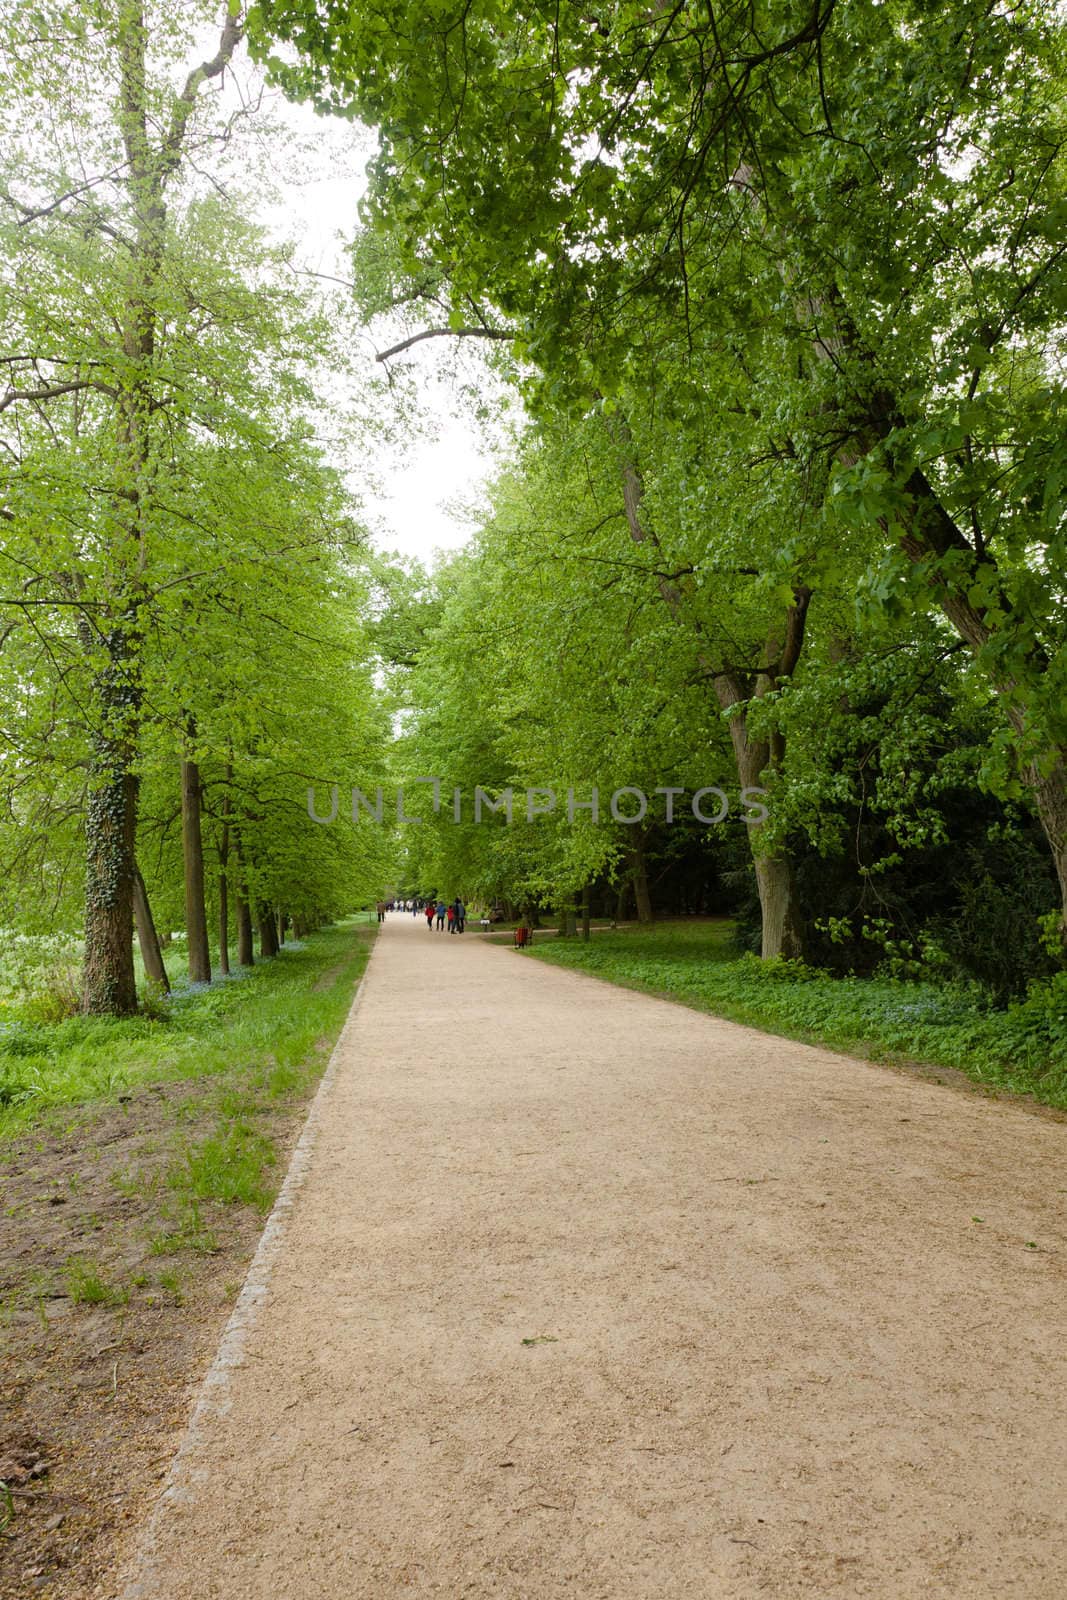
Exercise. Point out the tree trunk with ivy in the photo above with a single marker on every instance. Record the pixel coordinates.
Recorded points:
(109, 981)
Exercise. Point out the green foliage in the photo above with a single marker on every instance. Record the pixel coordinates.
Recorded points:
(567, 674)
(810, 260)
(57, 997)
(31, 962)
(995, 935)
(183, 567)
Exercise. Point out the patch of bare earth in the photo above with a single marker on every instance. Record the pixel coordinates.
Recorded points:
(93, 1395)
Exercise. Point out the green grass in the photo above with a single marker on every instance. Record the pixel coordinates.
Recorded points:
(183, 1229)
(242, 1052)
(1022, 1049)
(170, 1282)
(266, 1023)
(87, 1285)
(231, 1166)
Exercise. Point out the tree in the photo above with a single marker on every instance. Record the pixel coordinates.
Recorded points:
(869, 196)
(171, 527)
(117, 370)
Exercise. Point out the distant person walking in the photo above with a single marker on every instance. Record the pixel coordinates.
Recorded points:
(451, 915)
(381, 910)
(461, 915)
(441, 910)
(429, 915)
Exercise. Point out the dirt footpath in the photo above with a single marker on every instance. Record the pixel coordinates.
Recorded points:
(584, 1294)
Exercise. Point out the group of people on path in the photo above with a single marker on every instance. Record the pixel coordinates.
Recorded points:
(453, 916)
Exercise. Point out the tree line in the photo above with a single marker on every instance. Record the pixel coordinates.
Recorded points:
(185, 575)
(783, 289)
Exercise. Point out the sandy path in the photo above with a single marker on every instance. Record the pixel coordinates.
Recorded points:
(780, 1354)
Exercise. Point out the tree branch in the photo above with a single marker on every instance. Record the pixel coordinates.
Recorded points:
(35, 213)
(443, 333)
(54, 392)
(232, 34)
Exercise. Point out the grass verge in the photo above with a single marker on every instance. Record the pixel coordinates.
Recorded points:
(265, 1023)
(1022, 1049)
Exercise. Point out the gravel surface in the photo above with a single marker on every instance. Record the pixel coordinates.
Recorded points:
(586, 1294)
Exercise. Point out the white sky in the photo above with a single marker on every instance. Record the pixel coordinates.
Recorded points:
(420, 507)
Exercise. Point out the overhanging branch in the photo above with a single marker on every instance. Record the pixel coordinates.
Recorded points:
(443, 333)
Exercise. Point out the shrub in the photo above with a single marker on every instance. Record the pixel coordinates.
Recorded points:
(15, 1088)
(56, 997)
(155, 1001)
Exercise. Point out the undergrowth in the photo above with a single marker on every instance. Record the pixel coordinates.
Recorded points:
(265, 1023)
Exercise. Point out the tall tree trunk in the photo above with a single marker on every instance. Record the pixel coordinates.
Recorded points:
(245, 953)
(111, 814)
(148, 939)
(193, 859)
(1050, 795)
(783, 928)
(585, 911)
(279, 917)
(223, 878)
(782, 934)
(268, 932)
(639, 879)
(110, 985)
(782, 923)
(224, 923)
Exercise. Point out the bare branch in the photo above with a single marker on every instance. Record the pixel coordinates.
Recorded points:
(54, 392)
(232, 34)
(35, 213)
(443, 333)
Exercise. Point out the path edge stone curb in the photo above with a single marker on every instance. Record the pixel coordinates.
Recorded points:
(138, 1579)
